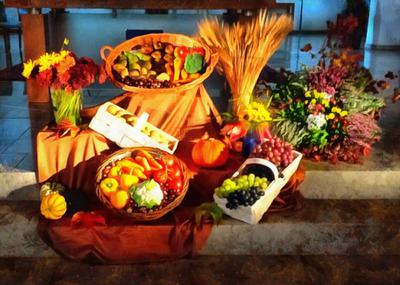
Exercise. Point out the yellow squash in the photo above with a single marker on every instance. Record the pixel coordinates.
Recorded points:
(53, 206)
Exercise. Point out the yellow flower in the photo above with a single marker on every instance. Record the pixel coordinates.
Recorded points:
(48, 60)
(343, 113)
(28, 67)
(325, 102)
(45, 61)
(336, 110)
(330, 116)
(306, 102)
(250, 115)
(66, 41)
(313, 102)
(64, 53)
(308, 94)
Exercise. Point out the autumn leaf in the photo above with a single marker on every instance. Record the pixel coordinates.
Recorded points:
(208, 211)
(396, 95)
(390, 75)
(65, 127)
(382, 84)
(306, 48)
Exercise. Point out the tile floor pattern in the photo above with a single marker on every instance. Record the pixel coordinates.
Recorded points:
(19, 122)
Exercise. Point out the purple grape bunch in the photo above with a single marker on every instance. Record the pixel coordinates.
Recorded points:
(275, 150)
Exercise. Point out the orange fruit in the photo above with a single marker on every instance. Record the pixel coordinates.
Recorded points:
(119, 199)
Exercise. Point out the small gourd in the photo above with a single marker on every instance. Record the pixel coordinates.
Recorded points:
(50, 188)
(53, 206)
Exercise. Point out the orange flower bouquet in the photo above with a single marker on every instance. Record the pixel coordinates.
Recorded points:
(65, 74)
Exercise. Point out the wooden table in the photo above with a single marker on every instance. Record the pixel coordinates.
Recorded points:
(34, 29)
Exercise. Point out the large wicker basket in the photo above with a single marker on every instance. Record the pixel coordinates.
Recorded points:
(175, 39)
(134, 215)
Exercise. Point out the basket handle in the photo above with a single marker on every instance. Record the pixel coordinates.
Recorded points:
(103, 52)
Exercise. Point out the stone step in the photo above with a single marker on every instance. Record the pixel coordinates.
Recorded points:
(322, 182)
(322, 227)
(208, 270)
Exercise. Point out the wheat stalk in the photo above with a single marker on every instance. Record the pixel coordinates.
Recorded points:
(244, 49)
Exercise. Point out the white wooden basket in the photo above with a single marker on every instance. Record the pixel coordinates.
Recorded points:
(253, 214)
(125, 135)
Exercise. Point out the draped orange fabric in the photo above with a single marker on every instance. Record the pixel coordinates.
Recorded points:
(187, 116)
(74, 161)
(69, 160)
(175, 113)
(123, 241)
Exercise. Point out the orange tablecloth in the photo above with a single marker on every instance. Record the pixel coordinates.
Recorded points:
(70, 161)
(122, 241)
(74, 161)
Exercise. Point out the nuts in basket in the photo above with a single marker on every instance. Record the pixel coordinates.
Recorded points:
(159, 65)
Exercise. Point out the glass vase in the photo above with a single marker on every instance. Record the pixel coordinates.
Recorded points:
(250, 141)
(66, 105)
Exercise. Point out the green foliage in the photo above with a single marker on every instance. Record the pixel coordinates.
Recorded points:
(318, 138)
(366, 103)
(294, 86)
(291, 132)
(357, 96)
(297, 112)
(358, 83)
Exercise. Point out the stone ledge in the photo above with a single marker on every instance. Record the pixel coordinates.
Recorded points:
(318, 184)
(322, 227)
(351, 184)
(208, 270)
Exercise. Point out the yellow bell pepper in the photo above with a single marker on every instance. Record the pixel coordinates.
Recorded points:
(139, 174)
(128, 164)
(184, 74)
(115, 172)
(108, 186)
(126, 181)
(177, 68)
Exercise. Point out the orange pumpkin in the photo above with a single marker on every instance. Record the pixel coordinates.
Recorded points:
(210, 153)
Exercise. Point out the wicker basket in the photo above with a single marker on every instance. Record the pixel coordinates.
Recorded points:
(175, 39)
(142, 216)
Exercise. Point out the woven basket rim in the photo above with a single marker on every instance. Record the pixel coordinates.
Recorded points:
(134, 215)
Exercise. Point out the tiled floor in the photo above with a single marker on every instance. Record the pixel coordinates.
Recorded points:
(20, 122)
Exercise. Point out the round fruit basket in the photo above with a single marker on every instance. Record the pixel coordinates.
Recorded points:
(165, 38)
(157, 154)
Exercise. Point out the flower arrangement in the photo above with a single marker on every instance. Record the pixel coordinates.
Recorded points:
(329, 111)
(65, 74)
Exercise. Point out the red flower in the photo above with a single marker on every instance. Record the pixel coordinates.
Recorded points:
(45, 78)
(102, 74)
(83, 73)
(64, 77)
